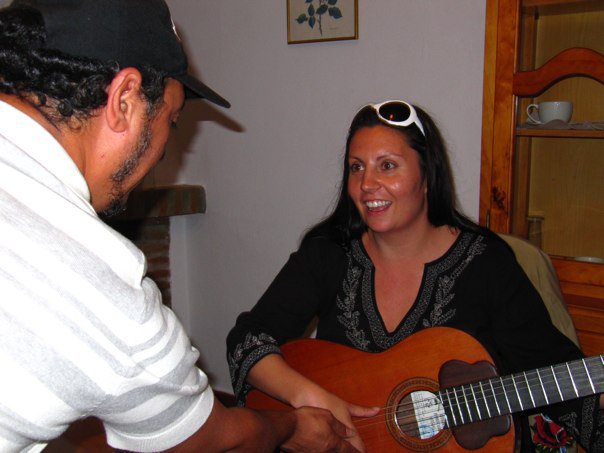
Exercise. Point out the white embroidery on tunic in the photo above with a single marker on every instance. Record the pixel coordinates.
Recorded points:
(350, 317)
(242, 360)
(444, 294)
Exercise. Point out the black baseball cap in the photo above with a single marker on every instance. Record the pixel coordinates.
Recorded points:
(130, 32)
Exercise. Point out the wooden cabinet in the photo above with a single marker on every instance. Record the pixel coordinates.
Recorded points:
(546, 183)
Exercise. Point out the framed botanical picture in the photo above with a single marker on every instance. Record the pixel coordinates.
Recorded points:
(321, 20)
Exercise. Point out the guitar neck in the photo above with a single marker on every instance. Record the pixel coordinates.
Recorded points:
(523, 391)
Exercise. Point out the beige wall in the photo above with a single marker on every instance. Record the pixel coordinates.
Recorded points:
(271, 164)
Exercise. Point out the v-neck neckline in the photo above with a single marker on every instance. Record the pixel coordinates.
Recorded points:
(370, 306)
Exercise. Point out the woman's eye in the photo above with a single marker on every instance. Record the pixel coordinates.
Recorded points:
(388, 165)
(355, 167)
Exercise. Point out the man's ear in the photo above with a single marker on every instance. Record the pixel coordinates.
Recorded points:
(124, 99)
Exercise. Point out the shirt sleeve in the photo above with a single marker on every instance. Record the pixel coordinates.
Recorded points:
(307, 282)
(161, 397)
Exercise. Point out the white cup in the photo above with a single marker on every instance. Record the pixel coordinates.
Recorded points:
(549, 111)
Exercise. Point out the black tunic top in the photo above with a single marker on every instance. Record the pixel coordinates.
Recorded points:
(477, 286)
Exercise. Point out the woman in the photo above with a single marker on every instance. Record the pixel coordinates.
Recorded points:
(396, 256)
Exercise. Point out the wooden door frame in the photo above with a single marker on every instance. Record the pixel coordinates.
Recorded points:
(498, 103)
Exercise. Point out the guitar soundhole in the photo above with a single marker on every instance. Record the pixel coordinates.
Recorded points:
(415, 417)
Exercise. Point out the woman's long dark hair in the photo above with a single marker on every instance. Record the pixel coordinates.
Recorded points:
(60, 86)
(345, 223)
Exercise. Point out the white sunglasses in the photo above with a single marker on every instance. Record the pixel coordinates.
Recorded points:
(398, 113)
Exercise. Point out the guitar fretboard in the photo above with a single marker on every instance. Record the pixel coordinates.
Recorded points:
(522, 391)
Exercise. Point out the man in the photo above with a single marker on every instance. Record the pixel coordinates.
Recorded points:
(88, 92)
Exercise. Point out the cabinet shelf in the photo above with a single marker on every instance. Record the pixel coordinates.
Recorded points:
(539, 51)
(560, 133)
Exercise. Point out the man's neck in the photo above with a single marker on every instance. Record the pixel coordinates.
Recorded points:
(68, 138)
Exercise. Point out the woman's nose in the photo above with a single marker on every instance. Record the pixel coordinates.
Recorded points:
(370, 181)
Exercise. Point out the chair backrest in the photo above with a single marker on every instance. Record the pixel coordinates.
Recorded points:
(540, 271)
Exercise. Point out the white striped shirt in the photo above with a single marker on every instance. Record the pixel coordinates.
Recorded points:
(83, 332)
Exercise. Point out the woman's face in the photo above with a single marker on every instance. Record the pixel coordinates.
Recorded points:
(385, 181)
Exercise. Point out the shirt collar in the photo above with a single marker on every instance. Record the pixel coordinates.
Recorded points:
(33, 139)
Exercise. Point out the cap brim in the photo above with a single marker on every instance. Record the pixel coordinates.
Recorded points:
(195, 89)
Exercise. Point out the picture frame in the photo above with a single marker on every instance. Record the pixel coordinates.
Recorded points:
(321, 20)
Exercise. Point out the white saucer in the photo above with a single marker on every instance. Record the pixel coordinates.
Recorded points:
(589, 259)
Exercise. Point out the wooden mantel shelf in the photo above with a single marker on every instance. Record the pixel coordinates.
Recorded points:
(166, 201)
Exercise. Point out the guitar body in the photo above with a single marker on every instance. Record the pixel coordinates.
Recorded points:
(387, 379)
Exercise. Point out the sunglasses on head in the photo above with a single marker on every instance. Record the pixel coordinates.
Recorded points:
(398, 113)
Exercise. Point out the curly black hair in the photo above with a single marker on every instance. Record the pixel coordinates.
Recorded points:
(62, 87)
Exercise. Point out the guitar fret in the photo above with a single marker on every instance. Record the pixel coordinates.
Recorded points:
(542, 387)
(476, 402)
(458, 407)
(596, 364)
(517, 393)
(463, 391)
(507, 400)
(591, 384)
(570, 375)
(537, 389)
(526, 391)
(557, 383)
(528, 386)
(448, 406)
(597, 368)
(486, 403)
(494, 397)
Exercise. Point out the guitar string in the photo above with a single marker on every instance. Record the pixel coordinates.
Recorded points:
(429, 420)
(406, 406)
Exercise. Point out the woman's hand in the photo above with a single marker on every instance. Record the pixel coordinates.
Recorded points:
(274, 376)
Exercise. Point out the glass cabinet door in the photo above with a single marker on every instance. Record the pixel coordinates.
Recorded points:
(558, 166)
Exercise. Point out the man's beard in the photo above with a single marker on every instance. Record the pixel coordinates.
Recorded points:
(118, 197)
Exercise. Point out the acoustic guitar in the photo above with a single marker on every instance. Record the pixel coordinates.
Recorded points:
(438, 390)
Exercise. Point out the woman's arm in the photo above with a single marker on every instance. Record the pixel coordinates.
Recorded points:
(306, 284)
(275, 377)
